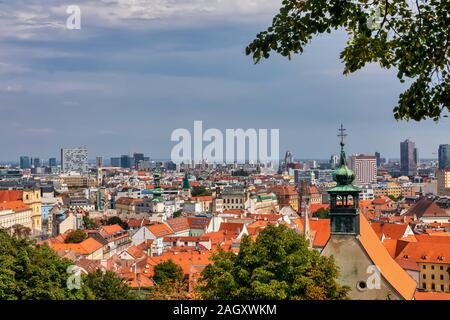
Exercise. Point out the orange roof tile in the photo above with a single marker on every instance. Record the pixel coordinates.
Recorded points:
(15, 205)
(160, 230)
(398, 278)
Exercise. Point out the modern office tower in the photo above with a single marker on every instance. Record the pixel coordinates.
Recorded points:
(52, 162)
(416, 157)
(364, 168)
(408, 158)
(444, 156)
(75, 159)
(99, 162)
(126, 161)
(334, 160)
(115, 162)
(137, 157)
(37, 162)
(378, 156)
(25, 162)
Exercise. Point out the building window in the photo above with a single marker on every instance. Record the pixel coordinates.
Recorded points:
(441, 267)
(424, 266)
(432, 277)
(432, 267)
(442, 277)
(424, 285)
(442, 288)
(433, 287)
(424, 276)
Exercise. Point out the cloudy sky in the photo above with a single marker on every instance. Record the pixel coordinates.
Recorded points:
(138, 69)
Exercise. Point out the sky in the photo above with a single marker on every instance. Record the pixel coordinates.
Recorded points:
(139, 69)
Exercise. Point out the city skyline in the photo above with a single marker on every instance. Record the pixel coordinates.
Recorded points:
(125, 97)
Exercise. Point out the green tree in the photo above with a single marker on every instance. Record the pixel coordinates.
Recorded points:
(322, 213)
(167, 271)
(117, 220)
(89, 223)
(108, 286)
(29, 271)
(277, 266)
(411, 36)
(177, 214)
(76, 236)
(199, 191)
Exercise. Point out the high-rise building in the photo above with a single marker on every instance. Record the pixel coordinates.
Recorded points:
(444, 156)
(115, 162)
(378, 156)
(408, 158)
(25, 162)
(99, 162)
(137, 157)
(75, 159)
(37, 162)
(52, 162)
(334, 160)
(365, 169)
(126, 161)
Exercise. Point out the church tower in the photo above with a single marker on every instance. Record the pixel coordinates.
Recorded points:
(344, 211)
(365, 266)
(186, 186)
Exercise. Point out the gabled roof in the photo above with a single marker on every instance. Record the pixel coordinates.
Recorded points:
(398, 278)
(322, 230)
(390, 230)
(160, 230)
(86, 247)
(198, 222)
(178, 224)
(112, 229)
(426, 208)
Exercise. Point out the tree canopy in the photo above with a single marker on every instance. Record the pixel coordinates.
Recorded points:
(76, 236)
(411, 36)
(117, 220)
(35, 272)
(167, 271)
(198, 191)
(277, 266)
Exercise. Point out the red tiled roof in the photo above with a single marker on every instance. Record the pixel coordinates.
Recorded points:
(15, 205)
(390, 230)
(323, 230)
(432, 295)
(178, 224)
(160, 230)
(10, 195)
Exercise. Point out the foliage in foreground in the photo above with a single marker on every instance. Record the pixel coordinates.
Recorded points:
(35, 272)
(411, 36)
(277, 266)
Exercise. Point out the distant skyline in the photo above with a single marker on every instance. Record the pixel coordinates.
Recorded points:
(138, 70)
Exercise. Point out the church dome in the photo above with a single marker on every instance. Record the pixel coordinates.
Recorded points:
(343, 175)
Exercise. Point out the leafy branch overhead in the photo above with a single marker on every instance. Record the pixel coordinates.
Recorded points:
(409, 35)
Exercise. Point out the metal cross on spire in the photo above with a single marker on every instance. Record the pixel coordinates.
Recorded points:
(342, 134)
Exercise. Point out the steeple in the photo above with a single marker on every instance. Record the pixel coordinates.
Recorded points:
(344, 198)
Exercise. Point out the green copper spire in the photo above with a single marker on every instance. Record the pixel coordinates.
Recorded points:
(186, 184)
(344, 198)
(343, 175)
(157, 191)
